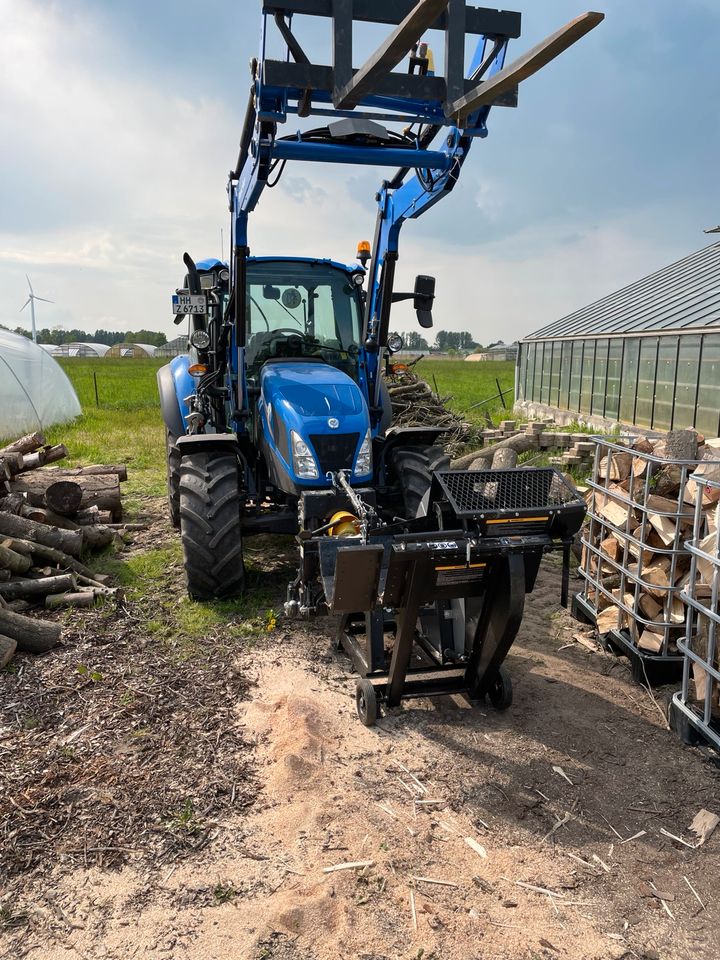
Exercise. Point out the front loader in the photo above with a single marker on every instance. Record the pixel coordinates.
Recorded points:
(278, 418)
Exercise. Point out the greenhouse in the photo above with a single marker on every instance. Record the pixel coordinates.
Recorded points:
(133, 351)
(34, 391)
(648, 355)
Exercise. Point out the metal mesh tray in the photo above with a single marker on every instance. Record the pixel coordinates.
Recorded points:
(498, 493)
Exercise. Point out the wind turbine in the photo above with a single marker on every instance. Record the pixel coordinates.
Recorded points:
(31, 300)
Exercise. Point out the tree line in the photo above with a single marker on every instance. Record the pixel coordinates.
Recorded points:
(108, 337)
(445, 341)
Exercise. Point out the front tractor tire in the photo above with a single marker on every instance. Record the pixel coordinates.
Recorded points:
(173, 455)
(414, 468)
(210, 528)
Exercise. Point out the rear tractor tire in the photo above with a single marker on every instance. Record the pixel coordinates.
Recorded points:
(209, 491)
(414, 468)
(173, 478)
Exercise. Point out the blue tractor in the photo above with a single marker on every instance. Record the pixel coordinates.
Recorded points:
(279, 419)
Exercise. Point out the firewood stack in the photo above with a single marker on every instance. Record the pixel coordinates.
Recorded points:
(415, 404)
(640, 514)
(50, 518)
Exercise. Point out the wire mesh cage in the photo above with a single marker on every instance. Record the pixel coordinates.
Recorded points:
(634, 561)
(696, 707)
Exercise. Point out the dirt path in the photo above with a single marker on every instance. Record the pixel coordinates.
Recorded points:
(553, 792)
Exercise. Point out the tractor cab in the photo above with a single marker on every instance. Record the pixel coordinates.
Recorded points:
(309, 415)
(303, 310)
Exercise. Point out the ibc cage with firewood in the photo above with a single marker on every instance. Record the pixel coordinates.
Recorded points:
(695, 710)
(634, 561)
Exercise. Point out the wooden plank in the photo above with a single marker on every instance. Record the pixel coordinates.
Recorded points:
(615, 513)
(665, 528)
(455, 50)
(525, 66)
(479, 20)
(390, 53)
(342, 44)
(300, 76)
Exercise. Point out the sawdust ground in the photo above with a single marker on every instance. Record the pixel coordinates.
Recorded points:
(581, 744)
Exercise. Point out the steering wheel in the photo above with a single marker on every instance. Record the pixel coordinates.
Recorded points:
(295, 333)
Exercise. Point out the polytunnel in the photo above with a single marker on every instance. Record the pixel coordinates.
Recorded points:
(35, 393)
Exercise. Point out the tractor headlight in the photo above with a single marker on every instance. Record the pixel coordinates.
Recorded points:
(363, 464)
(200, 339)
(303, 460)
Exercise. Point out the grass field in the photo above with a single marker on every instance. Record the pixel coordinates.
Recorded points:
(469, 383)
(124, 425)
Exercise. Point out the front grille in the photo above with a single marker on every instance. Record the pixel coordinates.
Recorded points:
(471, 493)
(335, 451)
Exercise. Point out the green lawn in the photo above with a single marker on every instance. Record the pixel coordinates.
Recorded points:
(126, 426)
(469, 383)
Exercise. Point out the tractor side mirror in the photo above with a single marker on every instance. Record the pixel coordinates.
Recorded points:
(423, 300)
(270, 292)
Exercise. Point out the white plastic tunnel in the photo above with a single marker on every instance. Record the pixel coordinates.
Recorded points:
(35, 393)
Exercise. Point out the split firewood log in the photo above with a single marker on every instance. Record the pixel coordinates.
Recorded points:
(92, 516)
(13, 503)
(7, 650)
(33, 636)
(69, 541)
(26, 444)
(101, 491)
(504, 459)
(37, 589)
(520, 443)
(13, 460)
(63, 497)
(96, 469)
(56, 601)
(12, 560)
(31, 461)
(63, 560)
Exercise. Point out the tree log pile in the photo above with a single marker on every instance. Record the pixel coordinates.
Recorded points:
(415, 404)
(641, 507)
(50, 518)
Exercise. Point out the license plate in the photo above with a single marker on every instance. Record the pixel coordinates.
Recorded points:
(189, 303)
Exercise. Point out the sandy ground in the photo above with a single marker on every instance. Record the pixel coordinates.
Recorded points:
(564, 797)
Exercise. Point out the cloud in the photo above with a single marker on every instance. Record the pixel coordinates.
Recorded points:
(115, 152)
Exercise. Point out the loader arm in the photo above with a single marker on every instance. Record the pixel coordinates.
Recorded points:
(442, 116)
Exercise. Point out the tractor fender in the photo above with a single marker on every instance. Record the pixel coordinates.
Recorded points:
(207, 442)
(387, 411)
(406, 437)
(174, 384)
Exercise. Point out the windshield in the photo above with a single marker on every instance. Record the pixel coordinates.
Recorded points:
(297, 309)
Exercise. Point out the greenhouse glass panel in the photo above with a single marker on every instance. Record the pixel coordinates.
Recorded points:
(530, 373)
(522, 370)
(687, 379)
(555, 374)
(576, 367)
(665, 383)
(587, 376)
(545, 361)
(565, 374)
(600, 377)
(628, 387)
(708, 405)
(646, 381)
(612, 393)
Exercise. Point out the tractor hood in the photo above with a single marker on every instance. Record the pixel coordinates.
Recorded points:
(323, 406)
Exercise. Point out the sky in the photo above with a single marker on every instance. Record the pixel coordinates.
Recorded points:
(120, 120)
